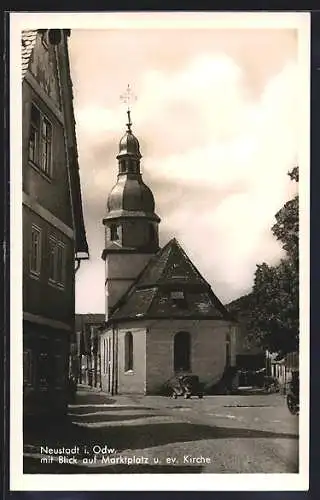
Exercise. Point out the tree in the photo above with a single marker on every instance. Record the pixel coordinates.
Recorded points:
(274, 315)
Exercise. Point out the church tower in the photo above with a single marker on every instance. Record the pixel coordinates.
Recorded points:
(131, 224)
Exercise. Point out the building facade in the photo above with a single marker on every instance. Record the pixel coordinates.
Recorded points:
(54, 239)
(86, 356)
(162, 317)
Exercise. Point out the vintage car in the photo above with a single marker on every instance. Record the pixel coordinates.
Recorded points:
(185, 385)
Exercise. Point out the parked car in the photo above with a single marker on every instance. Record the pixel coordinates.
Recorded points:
(185, 385)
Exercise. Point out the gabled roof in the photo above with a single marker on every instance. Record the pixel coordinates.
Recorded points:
(150, 296)
(28, 42)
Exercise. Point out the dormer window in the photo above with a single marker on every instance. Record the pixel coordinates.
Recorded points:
(178, 298)
(114, 236)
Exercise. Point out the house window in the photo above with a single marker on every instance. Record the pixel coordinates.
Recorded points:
(27, 367)
(178, 298)
(40, 141)
(114, 236)
(57, 262)
(182, 350)
(128, 352)
(35, 251)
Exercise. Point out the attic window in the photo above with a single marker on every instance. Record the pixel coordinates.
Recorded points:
(178, 298)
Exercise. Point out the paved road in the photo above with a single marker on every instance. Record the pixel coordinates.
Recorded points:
(218, 434)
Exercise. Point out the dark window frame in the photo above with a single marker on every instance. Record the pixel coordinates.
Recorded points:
(57, 262)
(114, 234)
(40, 141)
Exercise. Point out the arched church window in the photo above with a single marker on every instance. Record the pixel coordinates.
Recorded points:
(114, 235)
(182, 352)
(128, 351)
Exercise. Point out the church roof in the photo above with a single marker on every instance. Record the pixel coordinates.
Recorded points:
(169, 287)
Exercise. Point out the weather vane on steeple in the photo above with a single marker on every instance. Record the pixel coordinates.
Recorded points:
(128, 97)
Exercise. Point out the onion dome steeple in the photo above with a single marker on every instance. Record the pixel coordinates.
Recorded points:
(129, 145)
(131, 221)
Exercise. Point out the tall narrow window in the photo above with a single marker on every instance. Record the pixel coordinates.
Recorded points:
(182, 350)
(128, 352)
(35, 251)
(57, 262)
(114, 236)
(40, 140)
(45, 154)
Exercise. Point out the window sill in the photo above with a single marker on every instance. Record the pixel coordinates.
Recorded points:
(40, 171)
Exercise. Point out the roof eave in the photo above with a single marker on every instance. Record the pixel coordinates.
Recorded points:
(171, 318)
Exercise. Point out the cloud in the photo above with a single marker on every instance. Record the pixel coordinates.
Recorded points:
(215, 154)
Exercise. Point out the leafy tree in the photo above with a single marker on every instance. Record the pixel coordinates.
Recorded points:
(274, 315)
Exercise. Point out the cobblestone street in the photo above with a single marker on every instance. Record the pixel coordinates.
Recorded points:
(137, 434)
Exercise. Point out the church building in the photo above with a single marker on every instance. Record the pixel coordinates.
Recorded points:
(162, 316)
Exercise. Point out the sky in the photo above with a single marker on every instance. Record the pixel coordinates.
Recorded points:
(217, 122)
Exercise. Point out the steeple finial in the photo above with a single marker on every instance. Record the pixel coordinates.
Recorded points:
(128, 97)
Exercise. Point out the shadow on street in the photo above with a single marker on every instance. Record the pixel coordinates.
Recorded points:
(122, 432)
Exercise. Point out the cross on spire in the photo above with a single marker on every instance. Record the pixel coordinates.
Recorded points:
(128, 97)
